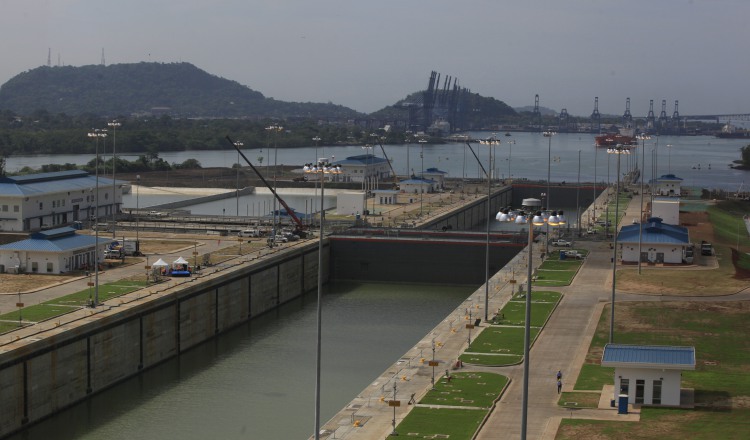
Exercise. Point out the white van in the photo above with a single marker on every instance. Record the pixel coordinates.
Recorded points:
(249, 233)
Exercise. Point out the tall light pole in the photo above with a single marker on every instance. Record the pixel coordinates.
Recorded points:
(321, 168)
(643, 137)
(669, 158)
(491, 142)
(96, 133)
(137, 208)
(238, 144)
(316, 139)
(274, 128)
(548, 135)
(510, 153)
(617, 150)
(114, 124)
(533, 218)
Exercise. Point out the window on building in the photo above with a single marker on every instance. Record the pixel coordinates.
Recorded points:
(49, 266)
(624, 386)
(15, 208)
(5, 208)
(41, 206)
(656, 399)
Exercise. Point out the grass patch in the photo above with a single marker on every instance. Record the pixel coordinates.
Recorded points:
(662, 423)
(514, 313)
(466, 389)
(491, 360)
(579, 400)
(552, 264)
(554, 278)
(59, 306)
(456, 424)
(501, 340)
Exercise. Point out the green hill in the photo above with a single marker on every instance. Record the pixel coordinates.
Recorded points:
(177, 89)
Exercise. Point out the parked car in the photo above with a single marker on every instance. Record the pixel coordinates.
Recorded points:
(280, 238)
(560, 242)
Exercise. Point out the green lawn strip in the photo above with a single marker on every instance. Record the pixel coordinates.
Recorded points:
(477, 389)
(663, 423)
(554, 278)
(59, 306)
(455, 424)
(500, 340)
(514, 313)
(491, 360)
(579, 400)
(729, 227)
(539, 296)
(560, 265)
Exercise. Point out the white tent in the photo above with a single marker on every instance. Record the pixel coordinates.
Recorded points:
(160, 263)
(180, 261)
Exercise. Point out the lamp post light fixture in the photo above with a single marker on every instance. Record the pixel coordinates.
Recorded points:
(510, 153)
(669, 158)
(643, 137)
(548, 135)
(275, 129)
(238, 144)
(491, 142)
(114, 124)
(316, 139)
(618, 150)
(137, 207)
(96, 134)
(533, 218)
(321, 168)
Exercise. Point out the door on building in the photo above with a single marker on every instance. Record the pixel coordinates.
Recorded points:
(640, 385)
(656, 393)
(75, 213)
(660, 257)
(644, 257)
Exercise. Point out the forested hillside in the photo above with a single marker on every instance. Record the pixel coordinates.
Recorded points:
(176, 89)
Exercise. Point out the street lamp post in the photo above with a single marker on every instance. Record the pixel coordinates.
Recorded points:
(532, 218)
(548, 135)
(617, 150)
(643, 137)
(321, 168)
(274, 128)
(316, 139)
(669, 158)
(137, 208)
(238, 144)
(97, 133)
(491, 142)
(510, 153)
(114, 124)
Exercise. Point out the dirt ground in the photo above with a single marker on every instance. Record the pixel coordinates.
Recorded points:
(11, 283)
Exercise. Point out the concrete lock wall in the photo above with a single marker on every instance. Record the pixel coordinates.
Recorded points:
(58, 371)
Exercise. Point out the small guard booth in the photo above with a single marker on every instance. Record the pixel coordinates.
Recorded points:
(648, 374)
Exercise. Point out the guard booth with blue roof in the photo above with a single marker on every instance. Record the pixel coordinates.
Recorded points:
(648, 374)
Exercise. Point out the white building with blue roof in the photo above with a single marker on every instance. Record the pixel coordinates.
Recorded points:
(649, 374)
(39, 201)
(366, 168)
(417, 185)
(435, 174)
(659, 242)
(53, 251)
(667, 185)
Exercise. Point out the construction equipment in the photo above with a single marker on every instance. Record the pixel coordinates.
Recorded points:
(300, 228)
(393, 172)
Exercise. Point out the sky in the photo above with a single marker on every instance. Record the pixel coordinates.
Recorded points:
(368, 54)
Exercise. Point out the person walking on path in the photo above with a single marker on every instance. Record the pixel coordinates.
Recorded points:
(559, 386)
(559, 374)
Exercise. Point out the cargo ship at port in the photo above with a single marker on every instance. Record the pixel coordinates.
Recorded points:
(729, 131)
(625, 136)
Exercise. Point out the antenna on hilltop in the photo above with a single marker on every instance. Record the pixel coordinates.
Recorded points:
(103, 63)
(49, 57)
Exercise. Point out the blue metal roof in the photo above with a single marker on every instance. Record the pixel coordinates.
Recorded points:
(666, 178)
(62, 242)
(434, 171)
(655, 356)
(362, 159)
(44, 183)
(654, 231)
